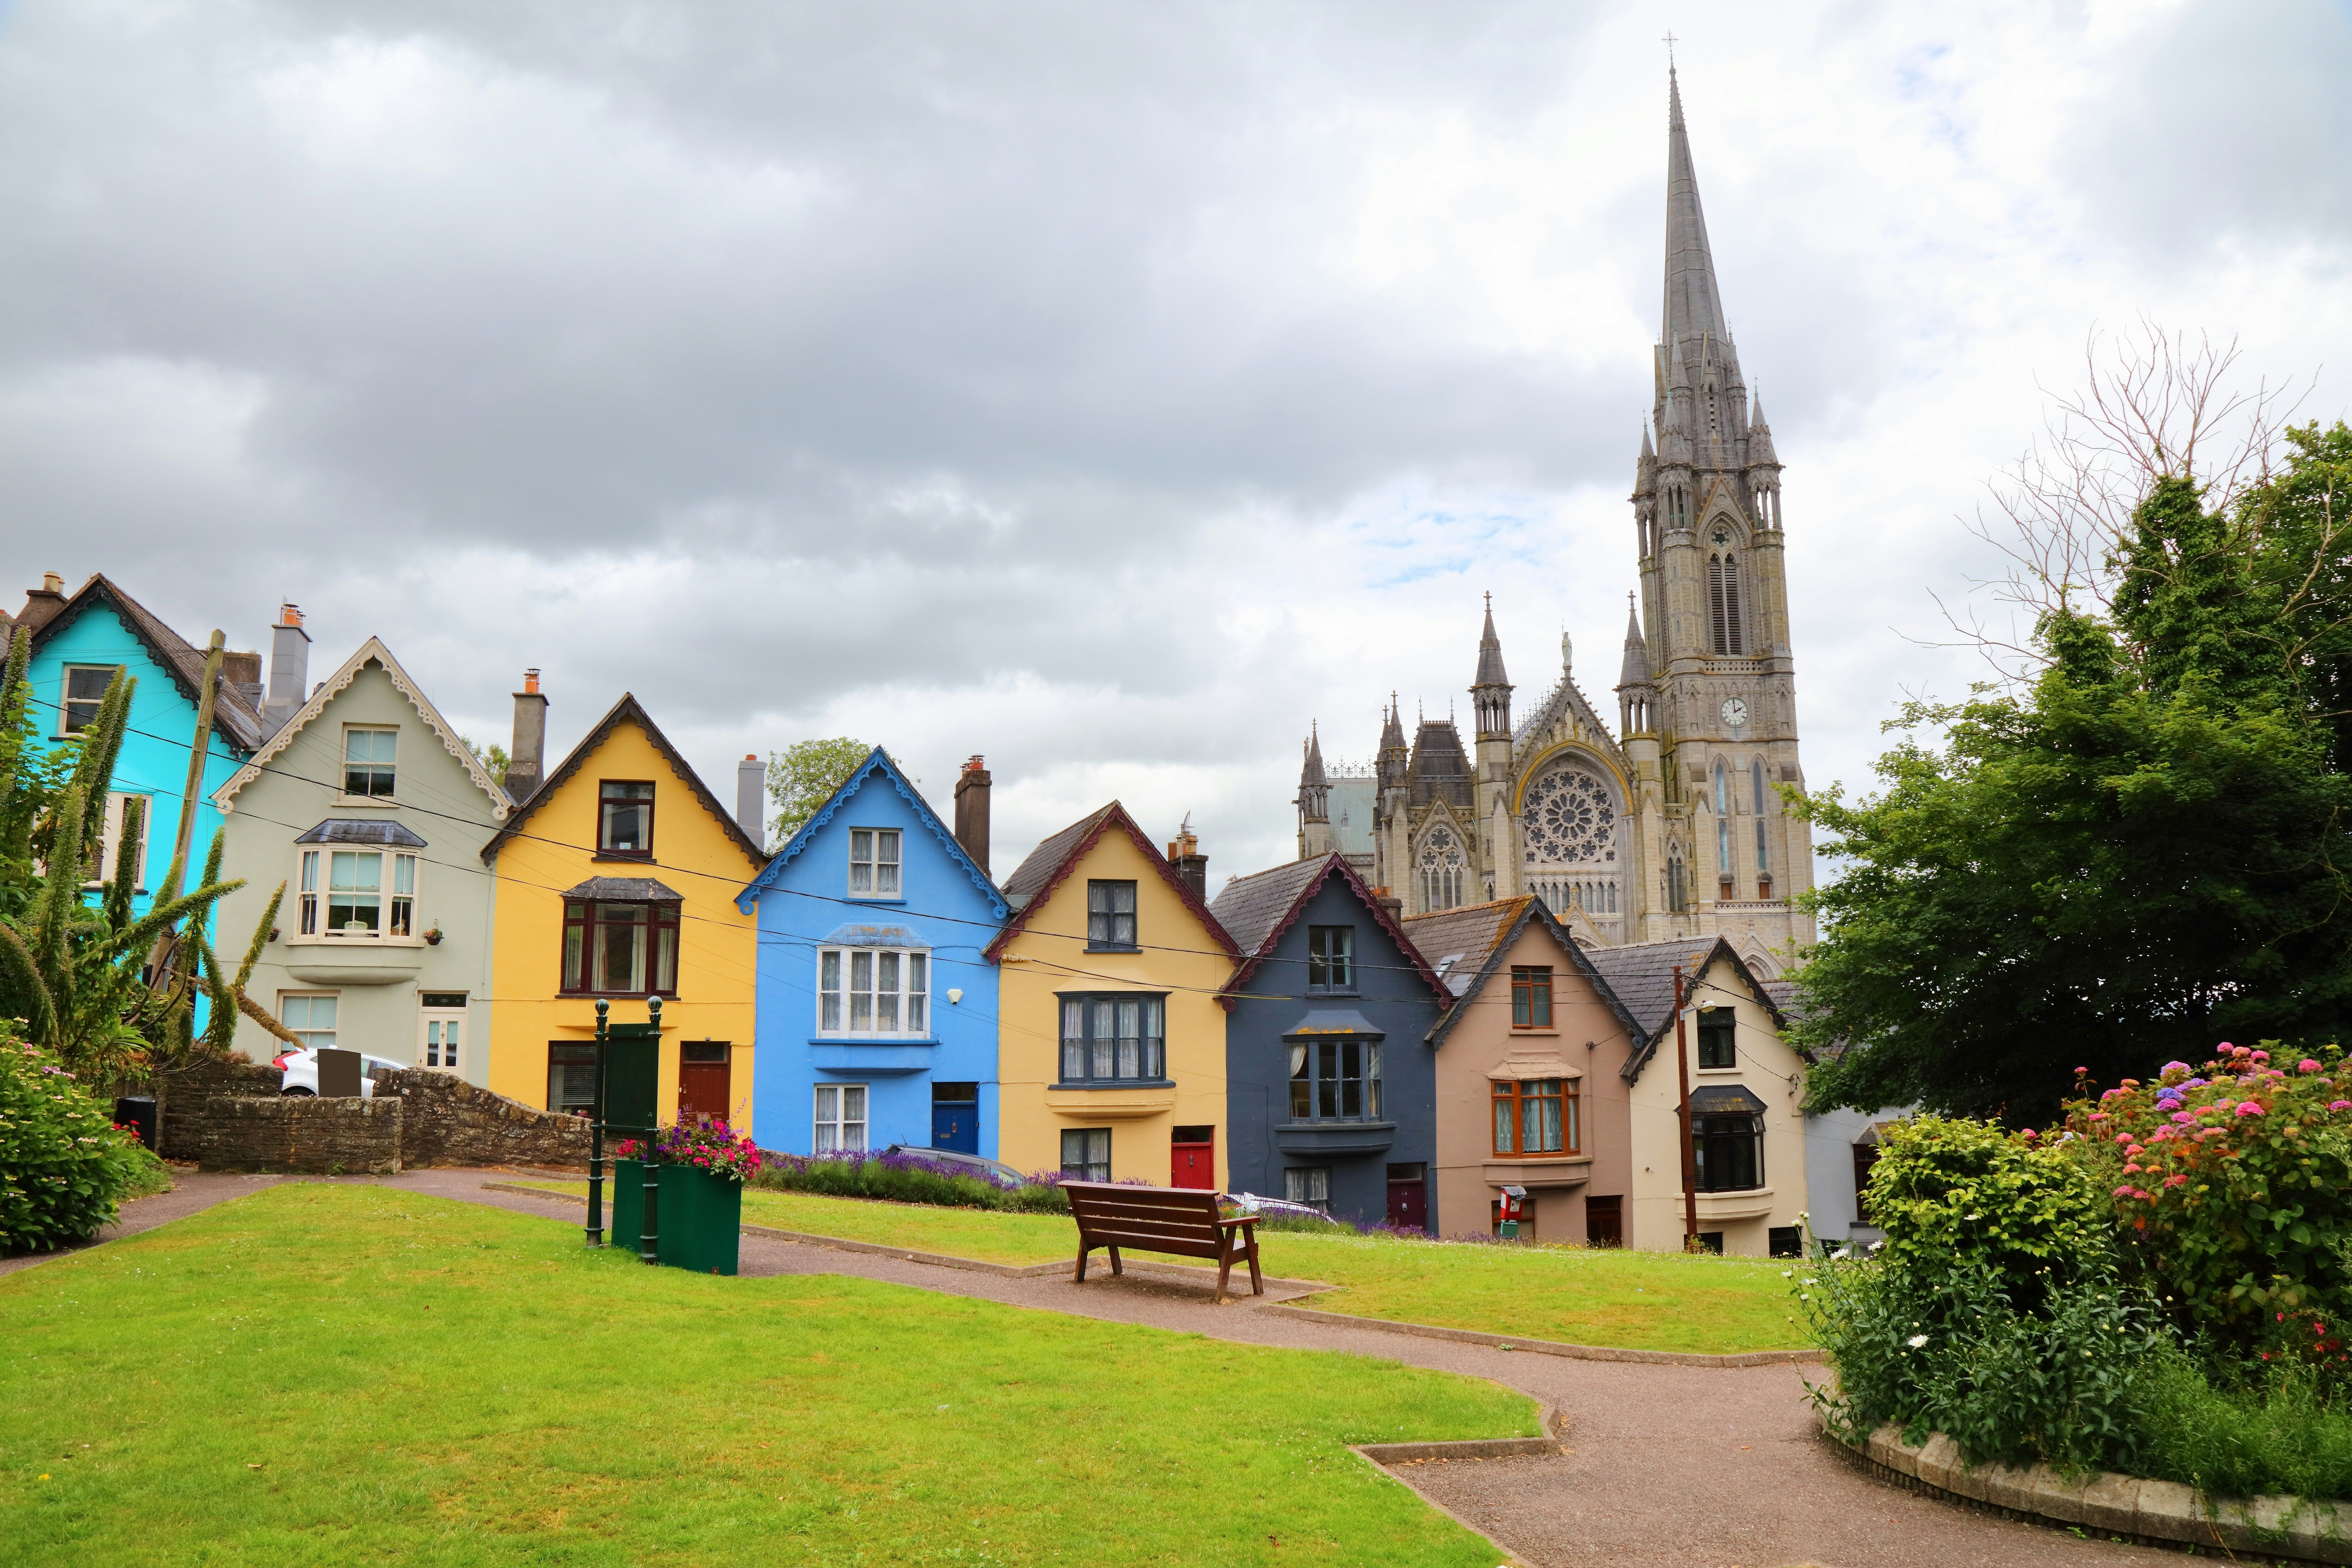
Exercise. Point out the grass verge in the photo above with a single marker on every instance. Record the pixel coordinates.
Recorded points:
(1637, 1301)
(339, 1374)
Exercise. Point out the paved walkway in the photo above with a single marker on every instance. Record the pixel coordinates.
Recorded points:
(1669, 1467)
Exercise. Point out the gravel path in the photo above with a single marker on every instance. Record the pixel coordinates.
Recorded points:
(1668, 1467)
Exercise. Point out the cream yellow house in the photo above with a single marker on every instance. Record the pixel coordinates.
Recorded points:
(1111, 1037)
(615, 881)
(1748, 1091)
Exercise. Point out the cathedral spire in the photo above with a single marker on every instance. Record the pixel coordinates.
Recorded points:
(1490, 653)
(1635, 671)
(1694, 307)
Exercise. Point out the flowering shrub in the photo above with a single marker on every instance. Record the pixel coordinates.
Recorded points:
(1961, 1197)
(2231, 1188)
(64, 1164)
(706, 1146)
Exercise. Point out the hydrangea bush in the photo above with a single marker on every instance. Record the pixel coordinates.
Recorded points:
(64, 1165)
(2231, 1187)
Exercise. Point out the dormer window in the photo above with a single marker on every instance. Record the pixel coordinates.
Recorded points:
(624, 817)
(85, 689)
(1110, 914)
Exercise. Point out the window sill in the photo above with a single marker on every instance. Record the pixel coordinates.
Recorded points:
(1540, 1031)
(1334, 1137)
(667, 996)
(352, 943)
(1096, 1085)
(1114, 947)
(1536, 1169)
(873, 1040)
(1351, 994)
(874, 898)
(624, 857)
(386, 801)
(1716, 1072)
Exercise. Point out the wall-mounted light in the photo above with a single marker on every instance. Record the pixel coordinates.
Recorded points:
(955, 995)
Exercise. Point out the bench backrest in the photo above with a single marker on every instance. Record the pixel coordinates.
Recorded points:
(1173, 1219)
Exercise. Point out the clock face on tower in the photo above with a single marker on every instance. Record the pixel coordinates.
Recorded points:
(1735, 712)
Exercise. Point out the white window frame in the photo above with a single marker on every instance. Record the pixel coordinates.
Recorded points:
(839, 970)
(876, 863)
(66, 700)
(343, 763)
(305, 1032)
(441, 1038)
(834, 1103)
(118, 802)
(395, 907)
(1308, 1185)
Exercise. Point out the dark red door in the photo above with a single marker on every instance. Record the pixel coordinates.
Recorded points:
(1192, 1157)
(704, 1081)
(1409, 1196)
(1604, 1222)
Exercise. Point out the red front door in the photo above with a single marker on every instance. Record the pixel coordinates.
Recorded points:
(704, 1081)
(1192, 1157)
(1409, 1196)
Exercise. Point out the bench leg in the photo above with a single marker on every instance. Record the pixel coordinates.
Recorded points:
(1115, 1269)
(1225, 1273)
(1257, 1280)
(1081, 1278)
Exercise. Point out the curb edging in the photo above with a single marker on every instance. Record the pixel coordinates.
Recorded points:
(1548, 1347)
(2164, 1512)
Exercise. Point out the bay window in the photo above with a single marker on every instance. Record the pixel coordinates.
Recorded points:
(1536, 1116)
(354, 894)
(620, 948)
(873, 991)
(1106, 1039)
(1335, 1080)
(1730, 1150)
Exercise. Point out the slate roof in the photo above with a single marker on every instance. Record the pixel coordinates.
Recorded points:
(1727, 1099)
(1052, 860)
(627, 709)
(362, 830)
(235, 719)
(1487, 932)
(628, 889)
(1644, 976)
(1266, 905)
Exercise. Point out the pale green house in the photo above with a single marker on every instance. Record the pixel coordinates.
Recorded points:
(373, 811)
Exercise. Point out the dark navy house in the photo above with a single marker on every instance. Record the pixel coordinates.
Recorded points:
(1331, 1092)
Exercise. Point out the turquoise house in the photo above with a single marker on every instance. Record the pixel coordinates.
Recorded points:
(78, 643)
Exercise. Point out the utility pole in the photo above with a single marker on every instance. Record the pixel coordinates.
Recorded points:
(1690, 1155)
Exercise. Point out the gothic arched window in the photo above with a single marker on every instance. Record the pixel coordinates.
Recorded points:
(1722, 792)
(1676, 881)
(1723, 617)
(1755, 781)
(1443, 868)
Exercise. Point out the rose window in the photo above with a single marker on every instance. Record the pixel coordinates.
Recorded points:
(1569, 819)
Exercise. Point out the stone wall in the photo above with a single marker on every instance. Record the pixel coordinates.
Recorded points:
(229, 1114)
(281, 1132)
(445, 1121)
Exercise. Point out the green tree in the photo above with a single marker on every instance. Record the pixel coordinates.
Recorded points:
(494, 760)
(2142, 852)
(803, 775)
(2297, 525)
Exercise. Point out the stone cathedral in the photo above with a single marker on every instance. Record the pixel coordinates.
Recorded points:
(1672, 826)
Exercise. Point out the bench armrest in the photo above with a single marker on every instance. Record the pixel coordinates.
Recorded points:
(1242, 1219)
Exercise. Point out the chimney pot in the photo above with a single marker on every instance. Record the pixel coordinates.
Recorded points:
(530, 682)
(971, 793)
(52, 584)
(1192, 866)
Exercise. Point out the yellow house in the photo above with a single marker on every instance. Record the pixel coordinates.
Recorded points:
(615, 880)
(1111, 1037)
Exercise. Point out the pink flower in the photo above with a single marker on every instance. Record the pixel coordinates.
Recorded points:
(2260, 1056)
(2129, 1169)
(2250, 1108)
(2122, 1137)
(2124, 1191)
(2098, 1116)
(2185, 1118)
(2307, 1065)
(2339, 1105)
(2175, 1181)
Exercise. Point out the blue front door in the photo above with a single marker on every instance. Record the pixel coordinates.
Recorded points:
(955, 1117)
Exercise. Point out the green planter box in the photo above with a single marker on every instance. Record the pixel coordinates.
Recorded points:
(699, 1223)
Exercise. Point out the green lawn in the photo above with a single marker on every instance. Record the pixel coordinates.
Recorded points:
(1639, 1300)
(427, 1381)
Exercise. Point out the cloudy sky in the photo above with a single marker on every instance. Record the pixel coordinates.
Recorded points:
(1108, 388)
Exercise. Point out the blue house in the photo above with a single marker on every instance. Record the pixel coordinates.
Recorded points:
(79, 642)
(1330, 1083)
(876, 1013)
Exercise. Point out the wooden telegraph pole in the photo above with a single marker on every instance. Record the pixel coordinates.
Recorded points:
(1690, 1155)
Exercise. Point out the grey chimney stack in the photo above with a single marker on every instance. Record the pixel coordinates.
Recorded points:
(526, 758)
(289, 669)
(971, 812)
(752, 798)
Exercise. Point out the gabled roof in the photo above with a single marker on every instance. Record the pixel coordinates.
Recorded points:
(234, 718)
(1036, 877)
(373, 650)
(1642, 976)
(1484, 934)
(877, 761)
(1257, 911)
(625, 711)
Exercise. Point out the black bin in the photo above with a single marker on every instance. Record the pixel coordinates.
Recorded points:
(137, 1112)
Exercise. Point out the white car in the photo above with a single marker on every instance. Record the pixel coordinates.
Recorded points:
(301, 1071)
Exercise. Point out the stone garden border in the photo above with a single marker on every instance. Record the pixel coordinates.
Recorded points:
(2163, 1512)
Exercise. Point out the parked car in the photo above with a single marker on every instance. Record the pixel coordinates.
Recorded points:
(980, 1166)
(301, 1071)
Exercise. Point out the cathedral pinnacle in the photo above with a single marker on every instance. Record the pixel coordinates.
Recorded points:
(1490, 653)
(1635, 671)
(1692, 305)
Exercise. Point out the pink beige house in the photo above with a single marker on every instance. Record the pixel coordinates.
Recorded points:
(1529, 1089)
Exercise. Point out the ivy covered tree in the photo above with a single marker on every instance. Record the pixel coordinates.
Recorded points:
(2144, 848)
(111, 992)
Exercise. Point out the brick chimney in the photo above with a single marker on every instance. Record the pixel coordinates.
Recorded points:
(1192, 866)
(243, 671)
(526, 759)
(752, 798)
(972, 811)
(42, 603)
(289, 669)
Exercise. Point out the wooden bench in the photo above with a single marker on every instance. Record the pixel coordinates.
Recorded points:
(1181, 1221)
